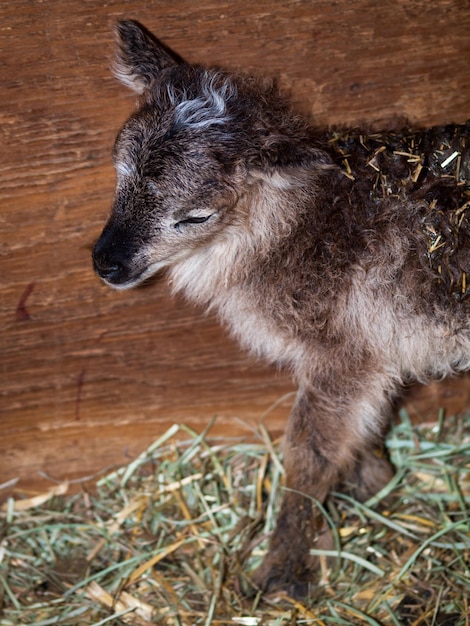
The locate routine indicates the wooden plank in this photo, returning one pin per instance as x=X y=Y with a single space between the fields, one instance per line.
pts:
x=91 y=376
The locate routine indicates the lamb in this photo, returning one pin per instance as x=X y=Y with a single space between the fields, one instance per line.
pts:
x=339 y=255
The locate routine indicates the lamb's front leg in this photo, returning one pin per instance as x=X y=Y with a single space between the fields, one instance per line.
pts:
x=321 y=442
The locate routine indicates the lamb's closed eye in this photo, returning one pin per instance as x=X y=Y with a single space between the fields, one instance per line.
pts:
x=195 y=219
x=192 y=220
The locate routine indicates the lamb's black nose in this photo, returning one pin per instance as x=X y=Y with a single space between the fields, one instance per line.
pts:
x=109 y=273
x=111 y=257
x=107 y=268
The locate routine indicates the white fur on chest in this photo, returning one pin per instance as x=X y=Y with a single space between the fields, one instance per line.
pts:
x=213 y=278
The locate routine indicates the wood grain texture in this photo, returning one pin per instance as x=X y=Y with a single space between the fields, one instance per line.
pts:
x=91 y=376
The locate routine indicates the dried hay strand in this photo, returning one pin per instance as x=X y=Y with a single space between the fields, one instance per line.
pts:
x=173 y=537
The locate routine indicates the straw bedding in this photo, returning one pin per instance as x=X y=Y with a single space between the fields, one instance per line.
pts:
x=173 y=537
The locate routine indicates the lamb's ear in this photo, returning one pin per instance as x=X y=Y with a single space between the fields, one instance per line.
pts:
x=139 y=56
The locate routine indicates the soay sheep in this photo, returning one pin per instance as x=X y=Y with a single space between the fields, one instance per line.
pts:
x=339 y=255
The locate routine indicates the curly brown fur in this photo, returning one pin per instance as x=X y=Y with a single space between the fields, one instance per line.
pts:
x=339 y=255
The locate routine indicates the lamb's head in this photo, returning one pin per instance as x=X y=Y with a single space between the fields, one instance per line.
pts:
x=176 y=170
x=185 y=159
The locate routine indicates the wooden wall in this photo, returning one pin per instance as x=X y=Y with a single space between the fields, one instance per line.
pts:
x=89 y=376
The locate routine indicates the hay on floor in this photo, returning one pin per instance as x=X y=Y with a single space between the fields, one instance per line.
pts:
x=173 y=537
